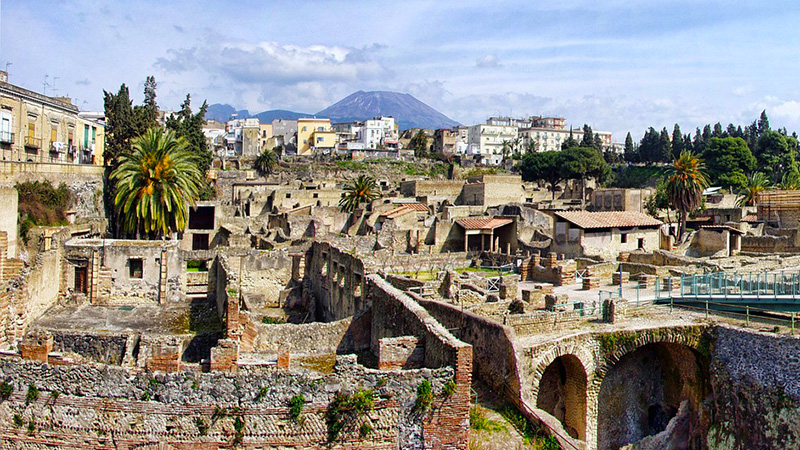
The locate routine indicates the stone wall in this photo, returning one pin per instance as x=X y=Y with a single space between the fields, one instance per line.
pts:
x=494 y=359
x=394 y=315
x=111 y=407
x=336 y=280
x=8 y=222
x=83 y=180
x=347 y=335
x=756 y=391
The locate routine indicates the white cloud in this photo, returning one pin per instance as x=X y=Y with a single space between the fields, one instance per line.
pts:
x=488 y=62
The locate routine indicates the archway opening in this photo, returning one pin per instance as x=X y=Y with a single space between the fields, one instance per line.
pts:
x=562 y=393
x=646 y=390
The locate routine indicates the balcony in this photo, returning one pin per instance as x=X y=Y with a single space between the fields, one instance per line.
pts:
x=33 y=142
x=6 y=137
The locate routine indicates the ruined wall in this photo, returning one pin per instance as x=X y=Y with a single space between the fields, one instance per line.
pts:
x=494 y=360
x=756 y=391
x=394 y=315
x=8 y=222
x=264 y=275
x=336 y=280
x=342 y=336
x=111 y=407
x=83 y=180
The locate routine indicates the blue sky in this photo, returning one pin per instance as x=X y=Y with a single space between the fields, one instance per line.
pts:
x=618 y=65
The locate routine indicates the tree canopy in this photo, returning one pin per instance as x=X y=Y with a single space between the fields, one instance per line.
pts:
x=728 y=161
x=155 y=182
x=542 y=166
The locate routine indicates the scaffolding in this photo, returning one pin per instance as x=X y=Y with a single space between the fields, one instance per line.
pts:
x=771 y=205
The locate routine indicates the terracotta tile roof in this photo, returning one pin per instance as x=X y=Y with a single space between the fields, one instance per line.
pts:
x=750 y=218
x=405 y=209
x=608 y=219
x=483 y=223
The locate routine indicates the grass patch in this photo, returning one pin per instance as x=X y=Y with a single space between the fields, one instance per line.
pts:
x=267 y=320
x=321 y=363
x=531 y=435
x=449 y=388
x=610 y=342
x=479 y=422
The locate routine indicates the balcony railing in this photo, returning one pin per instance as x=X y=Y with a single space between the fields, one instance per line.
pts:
x=33 y=142
x=6 y=137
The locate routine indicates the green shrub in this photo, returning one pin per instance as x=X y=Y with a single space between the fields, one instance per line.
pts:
x=424 y=396
x=32 y=395
x=18 y=420
x=449 y=388
x=347 y=407
x=31 y=427
x=262 y=392
x=365 y=430
x=6 y=390
x=296 y=406
x=202 y=427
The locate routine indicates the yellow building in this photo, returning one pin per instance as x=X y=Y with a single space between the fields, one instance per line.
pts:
x=38 y=128
x=315 y=136
x=264 y=136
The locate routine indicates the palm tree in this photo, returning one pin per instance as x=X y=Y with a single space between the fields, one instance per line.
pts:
x=155 y=182
x=790 y=181
x=266 y=161
x=357 y=191
x=755 y=184
x=686 y=180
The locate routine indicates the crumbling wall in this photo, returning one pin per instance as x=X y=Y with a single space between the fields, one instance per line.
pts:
x=755 y=389
x=336 y=281
x=394 y=314
x=104 y=406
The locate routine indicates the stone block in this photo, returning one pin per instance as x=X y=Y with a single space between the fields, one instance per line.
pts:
x=620 y=277
x=553 y=300
x=590 y=283
x=283 y=359
x=36 y=345
x=225 y=356
x=614 y=310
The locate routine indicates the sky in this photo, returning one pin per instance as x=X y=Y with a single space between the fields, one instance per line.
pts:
x=619 y=66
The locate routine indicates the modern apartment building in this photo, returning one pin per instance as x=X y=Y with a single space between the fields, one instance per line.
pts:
x=485 y=142
x=315 y=136
x=38 y=128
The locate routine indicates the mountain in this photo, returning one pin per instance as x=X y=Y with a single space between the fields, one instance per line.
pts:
x=269 y=116
x=223 y=112
x=407 y=111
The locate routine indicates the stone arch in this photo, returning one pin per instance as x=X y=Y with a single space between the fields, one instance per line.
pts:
x=644 y=380
x=563 y=394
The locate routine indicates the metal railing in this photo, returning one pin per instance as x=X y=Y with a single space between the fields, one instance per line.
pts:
x=33 y=142
x=6 y=137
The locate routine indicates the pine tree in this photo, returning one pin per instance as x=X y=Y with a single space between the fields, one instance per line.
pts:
x=664 y=146
x=763 y=123
x=630 y=153
x=189 y=125
x=677 y=142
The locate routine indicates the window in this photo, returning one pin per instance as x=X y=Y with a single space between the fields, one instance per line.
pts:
x=135 y=268
x=288 y=195
x=623 y=238
x=201 y=218
x=53 y=134
x=31 y=130
x=200 y=241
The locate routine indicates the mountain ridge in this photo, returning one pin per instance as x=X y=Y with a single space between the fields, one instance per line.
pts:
x=408 y=111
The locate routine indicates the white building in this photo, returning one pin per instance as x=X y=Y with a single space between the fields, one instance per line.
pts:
x=485 y=142
x=547 y=139
x=371 y=134
x=242 y=137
